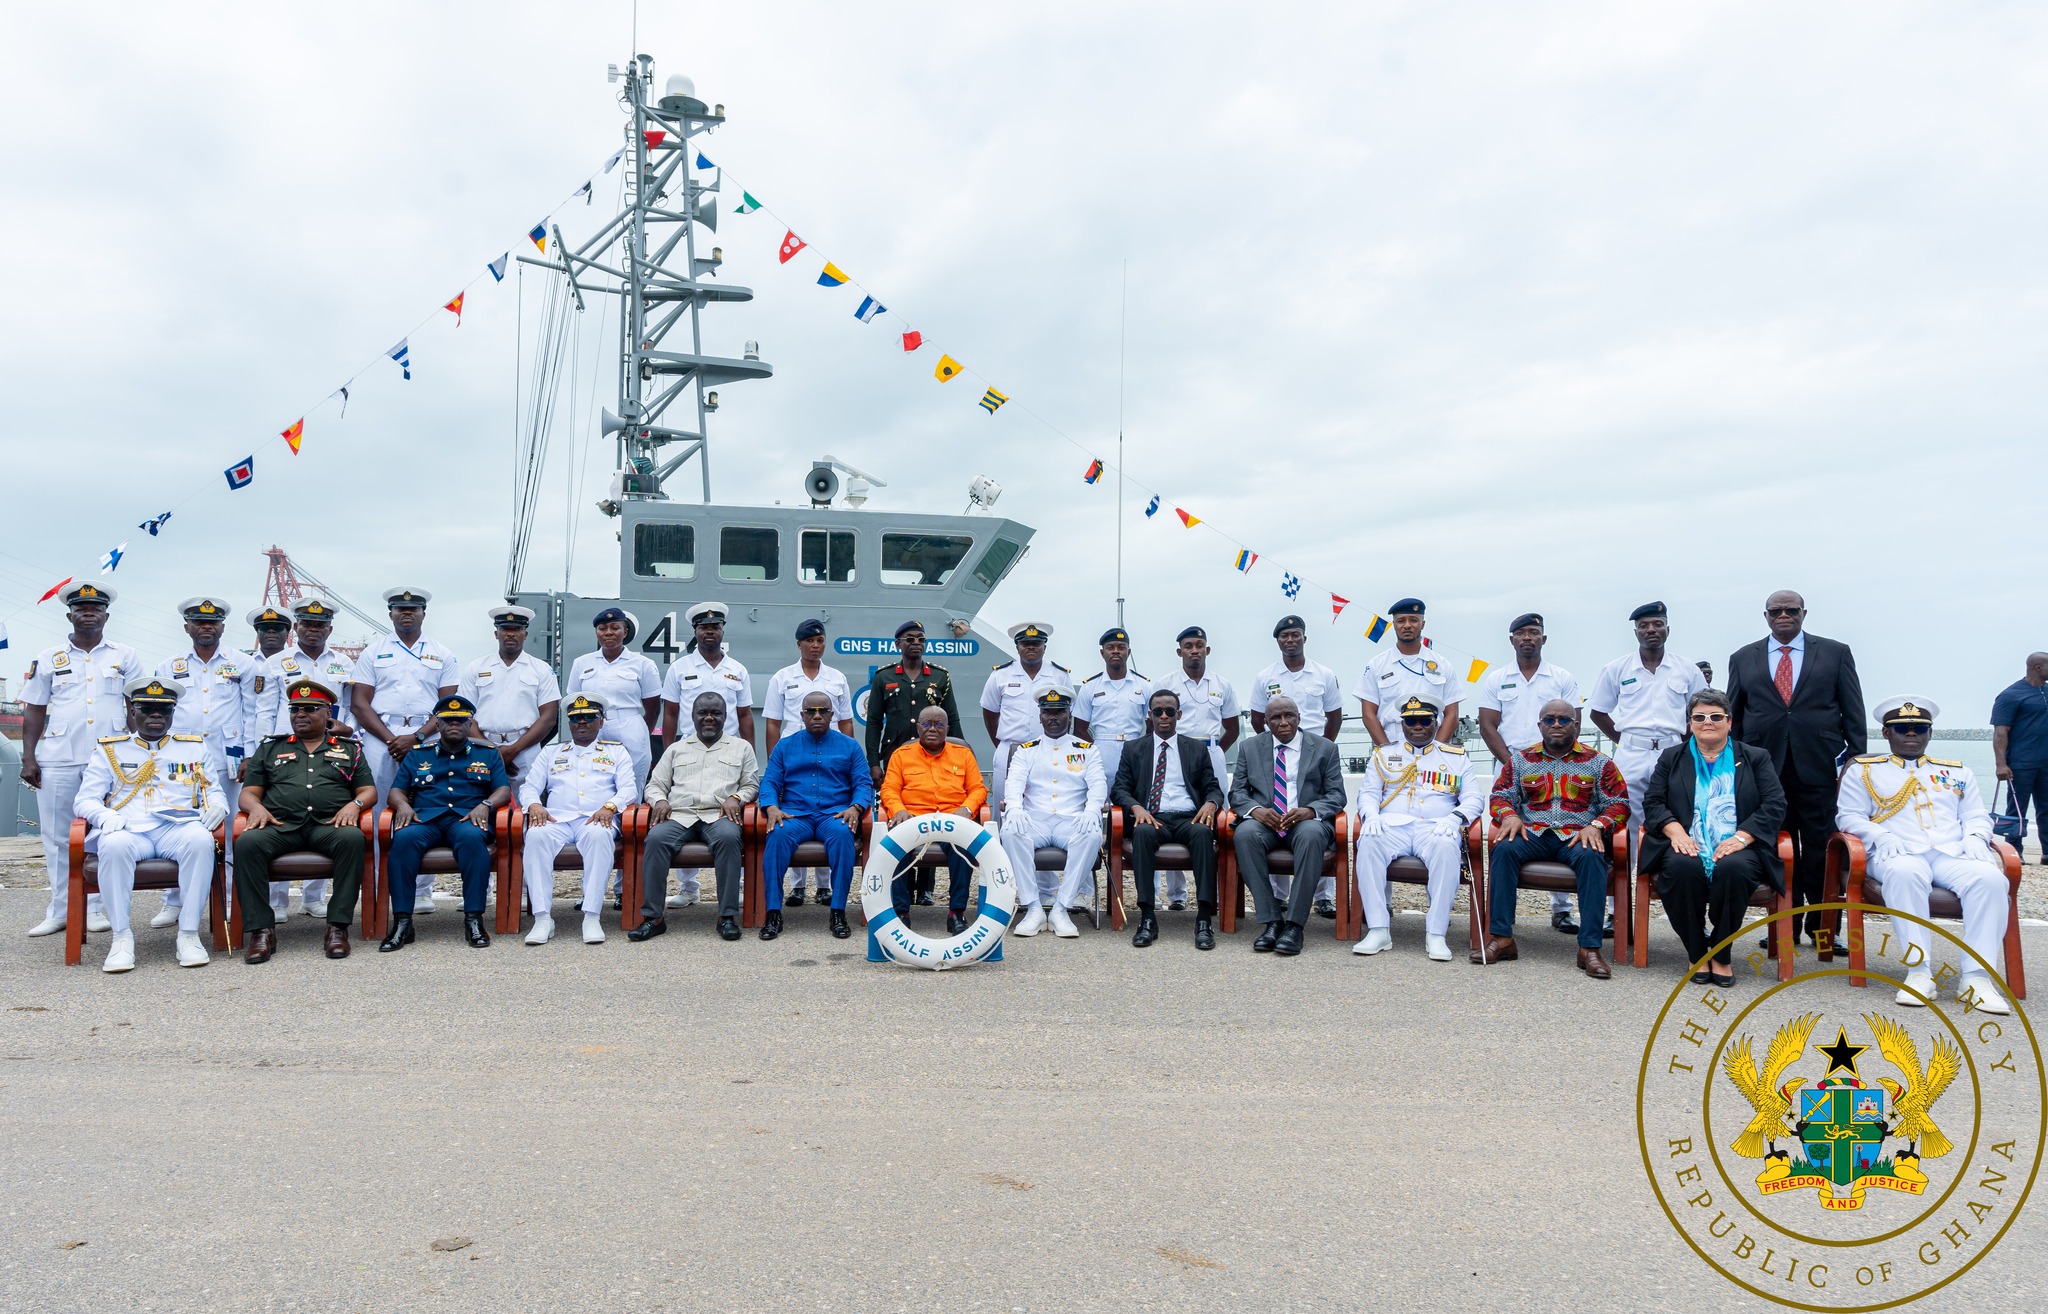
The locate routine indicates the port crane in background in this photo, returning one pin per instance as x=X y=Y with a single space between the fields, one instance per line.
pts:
x=288 y=581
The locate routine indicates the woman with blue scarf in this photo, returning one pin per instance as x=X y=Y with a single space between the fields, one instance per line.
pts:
x=1710 y=833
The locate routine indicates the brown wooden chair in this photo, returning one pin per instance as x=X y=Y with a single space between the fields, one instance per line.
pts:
x=634 y=825
x=1411 y=871
x=626 y=853
x=810 y=853
x=1559 y=878
x=1167 y=857
x=306 y=865
x=1848 y=876
x=1230 y=888
x=150 y=874
x=1763 y=896
x=438 y=861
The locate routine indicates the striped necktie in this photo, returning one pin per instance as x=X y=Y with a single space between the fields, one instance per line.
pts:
x=1158 y=778
x=1280 y=779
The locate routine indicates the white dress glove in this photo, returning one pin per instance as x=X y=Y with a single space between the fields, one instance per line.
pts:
x=112 y=822
x=214 y=814
x=1979 y=850
x=1370 y=826
x=1445 y=827
x=1887 y=846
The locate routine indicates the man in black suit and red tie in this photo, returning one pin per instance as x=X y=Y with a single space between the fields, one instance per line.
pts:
x=1796 y=696
x=1169 y=794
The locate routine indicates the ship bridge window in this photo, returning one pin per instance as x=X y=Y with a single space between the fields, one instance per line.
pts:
x=665 y=551
x=995 y=563
x=926 y=560
x=748 y=554
x=825 y=556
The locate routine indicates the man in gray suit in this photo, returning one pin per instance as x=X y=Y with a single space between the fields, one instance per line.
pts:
x=1287 y=788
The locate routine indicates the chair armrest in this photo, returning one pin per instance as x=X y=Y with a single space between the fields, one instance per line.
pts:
x=1341 y=827
x=1785 y=848
x=383 y=826
x=77 y=844
x=1617 y=854
x=2009 y=857
x=633 y=822
x=1226 y=825
x=1475 y=841
x=501 y=824
x=981 y=814
x=1116 y=827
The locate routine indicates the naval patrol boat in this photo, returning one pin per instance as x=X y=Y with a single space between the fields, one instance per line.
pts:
x=862 y=571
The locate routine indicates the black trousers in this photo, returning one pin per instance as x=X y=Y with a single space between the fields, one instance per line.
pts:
x=1692 y=900
x=254 y=851
x=1810 y=819
x=1175 y=828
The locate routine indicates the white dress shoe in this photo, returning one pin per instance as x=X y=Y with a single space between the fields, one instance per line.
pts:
x=681 y=900
x=164 y=917
x=1378 y=940
x=1033 y=923
x=421 y=907
x=593 y=929
x=1063 y=925
x=1987 y=1000
x=542 y=932
x=1918 y=992
x=191 y=951
x=48 y=926
x=97 y=923
x=1438 y=949
x=317 y=908
x=121 y=954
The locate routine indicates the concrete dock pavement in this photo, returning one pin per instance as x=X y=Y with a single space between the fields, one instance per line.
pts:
x=690 y=1124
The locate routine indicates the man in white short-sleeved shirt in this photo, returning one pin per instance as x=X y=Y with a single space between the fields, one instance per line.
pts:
x=394 y=687
x=1638 y=701
x=517 y=697
x=1407 y=670
x=1509 y=699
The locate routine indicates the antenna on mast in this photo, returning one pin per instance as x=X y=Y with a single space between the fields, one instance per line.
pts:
x=1122 y=315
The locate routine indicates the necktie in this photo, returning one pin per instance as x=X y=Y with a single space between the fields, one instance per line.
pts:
x=1280 y=779
x=1158 y=778
x=1783 y=678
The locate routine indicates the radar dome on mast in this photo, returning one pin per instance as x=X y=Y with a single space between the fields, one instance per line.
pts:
x=680 y=96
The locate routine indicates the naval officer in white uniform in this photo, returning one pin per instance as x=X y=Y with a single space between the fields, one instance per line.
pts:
x=1639 y=702
x=1415 y=800
x=625 y=681
x=1053 y=798
x=1407 y=670
x=1509 y=697
x=1923 y=823
x=1208 y=712
x=213 y=699
x=147 y=794
x=517 y=698
x=1009 y=698
x=393 y=688
x=1109 y=706
x=574 y=795
x=72 y=697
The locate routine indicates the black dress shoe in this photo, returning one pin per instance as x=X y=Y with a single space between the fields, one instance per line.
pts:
x=923 y=899
x=1325 y=908
x=728 y=928
x=840 y=930
x=1703 y=978
x=648 y=929
x=1177 y=905
x=1608 y=930
x=795 y=900
x=1562 y=923
x=772 y=927
x=1269 y=936
x=1148 y=929
x=399 y=936
x=1289 y=943
x=1205 y=934
x=956 y=922
x=473 y=931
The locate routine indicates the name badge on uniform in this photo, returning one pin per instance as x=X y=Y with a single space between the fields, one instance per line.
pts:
x=1630 y=680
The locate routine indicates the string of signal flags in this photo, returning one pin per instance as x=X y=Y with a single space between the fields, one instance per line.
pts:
x=947 y=368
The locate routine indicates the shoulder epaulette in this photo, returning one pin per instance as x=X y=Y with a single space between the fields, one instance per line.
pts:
x=114 y=739
x=1093 y=678
x=1057 y=667
x=1943 y=761
x=190 y=739
x=1459 y=749
x=1873 y=757
x=1029 y=743
x=1141 y=675
x=1011 y=662
x=1083 y=743
x=613 y=743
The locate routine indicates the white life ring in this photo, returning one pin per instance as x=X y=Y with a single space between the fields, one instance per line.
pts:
x=890 y=940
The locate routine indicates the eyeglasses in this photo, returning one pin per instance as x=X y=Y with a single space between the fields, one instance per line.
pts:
x=1784 y=611
x=1909 y=727
x=1418 y=721
x=817 y=711
x=1557 y=720
x=1709 y=718
x=1165 y=711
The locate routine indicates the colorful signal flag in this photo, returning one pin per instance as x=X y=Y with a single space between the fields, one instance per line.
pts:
x=791 y=244
x=869 y=308
x=948 y=367
x=1186 y=519
x=613 y=162
x=1337 y=606
x=1092 y=473
x=703 y=162
x=111 y=559
x=55 y=589
x=1290 y=583
x=655 y=137
x=1152 y=507
x=1477 y=669
x=538 y=235
x=1244 y=560
x=241 y=472
x=154 y=523
x=401 y=355
x=455 y=307
x=292 y=438
x=1377 y=630
x=747 y=204
x=497 y=267
x=913 y=340
x=992 y=401
x=831 y=276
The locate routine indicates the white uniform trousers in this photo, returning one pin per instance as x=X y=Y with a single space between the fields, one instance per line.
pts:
x=1636 y=765
x=220 y=768
x=188 y=842
x=1414 y=839
x=999 y=767
x=595 y=843
x=56 y=804
x=1080 y=835
x=1980 y=886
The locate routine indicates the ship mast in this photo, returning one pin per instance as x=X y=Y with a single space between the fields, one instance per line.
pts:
x=646 y=255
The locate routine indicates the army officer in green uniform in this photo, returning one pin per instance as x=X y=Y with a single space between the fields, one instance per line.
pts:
x=896 y=695
x=303 y=791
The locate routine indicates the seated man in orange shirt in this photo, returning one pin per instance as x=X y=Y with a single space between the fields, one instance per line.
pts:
x=927 y=775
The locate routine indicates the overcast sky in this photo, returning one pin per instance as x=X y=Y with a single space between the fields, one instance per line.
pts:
x=1560 y=307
